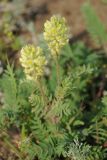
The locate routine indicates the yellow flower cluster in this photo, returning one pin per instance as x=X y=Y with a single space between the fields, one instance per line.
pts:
x=56 y=34
x=32 y=61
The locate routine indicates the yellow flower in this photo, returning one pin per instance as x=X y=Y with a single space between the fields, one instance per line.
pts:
x=56 y=34
x=33 y=61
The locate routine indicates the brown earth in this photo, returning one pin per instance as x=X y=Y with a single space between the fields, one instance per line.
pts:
x=70 y=9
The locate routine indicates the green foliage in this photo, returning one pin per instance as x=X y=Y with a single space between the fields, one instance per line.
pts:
x=94 y=25
x=46 y=129
x=9 y=85
x=51 y=125
x=49 y=118
x=78 y=151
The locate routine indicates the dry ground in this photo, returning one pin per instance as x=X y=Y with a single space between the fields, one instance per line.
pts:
x=71 y=9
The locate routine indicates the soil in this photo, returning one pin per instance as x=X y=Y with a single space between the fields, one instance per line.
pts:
x=70 y=9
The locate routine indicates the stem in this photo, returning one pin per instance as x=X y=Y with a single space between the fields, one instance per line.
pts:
x=72 y=119
x=97 y=135
x=57 y=70
x=42 y=91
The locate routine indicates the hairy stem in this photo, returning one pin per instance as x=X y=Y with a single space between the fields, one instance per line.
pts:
x=97 y=135
x=57 y=70
x=42 y=91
